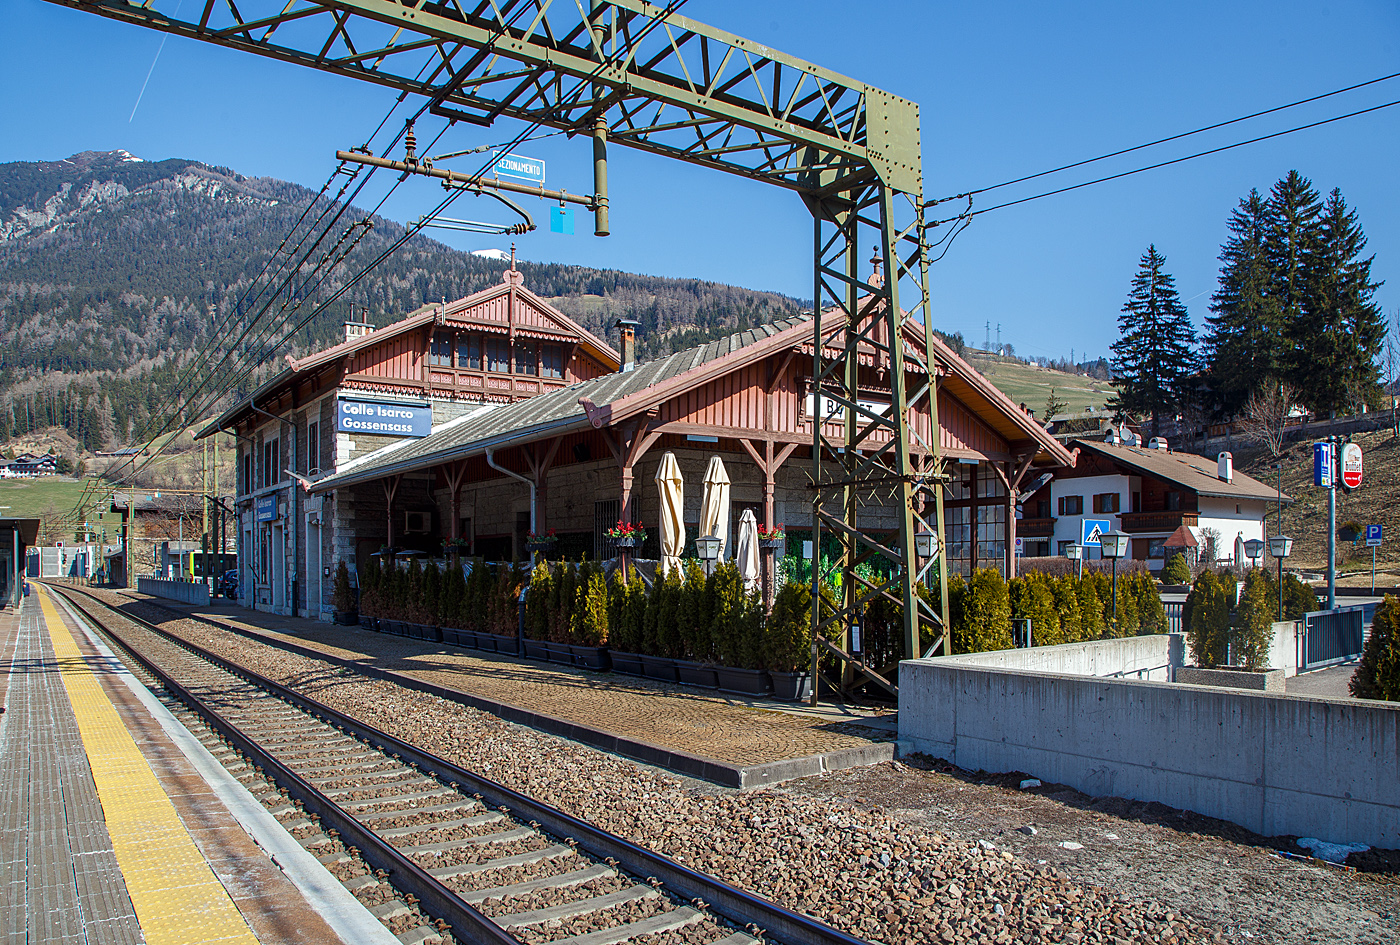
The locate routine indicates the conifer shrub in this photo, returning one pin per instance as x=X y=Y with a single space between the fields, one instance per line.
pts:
x=1066 y=591
x=1092 y=625
x=454 y=589
x=1377 y=675
x=370 y=577
x=638 y=607
x=590 y=617
x=1298 y=599
x=431 y=597
x=1176 y=570
x=727 y=617
x=1129 y=619
x=752 y=642
x=664 y=638
x=539 y=600
x=1254 y=621
x=620 y=633
x=957 y=607
x=1206 y=619
x=343 y=597
x=566 y=581
x=1152 y=616
x=1032 y=597
x=693 y=615
x=986 y=614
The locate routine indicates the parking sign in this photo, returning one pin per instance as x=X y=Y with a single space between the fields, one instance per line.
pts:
x=1373 y=536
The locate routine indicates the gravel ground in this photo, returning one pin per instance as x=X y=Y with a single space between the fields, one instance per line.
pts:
x=894 y=852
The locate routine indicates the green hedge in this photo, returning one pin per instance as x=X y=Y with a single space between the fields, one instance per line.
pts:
x=1377 y=676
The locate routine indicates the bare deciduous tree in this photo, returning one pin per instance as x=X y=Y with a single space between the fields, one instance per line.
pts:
x=1265 y=418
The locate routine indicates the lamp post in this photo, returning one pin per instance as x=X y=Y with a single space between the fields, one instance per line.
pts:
x=1114 y=545
x=1075 y=553
x=1253 y=549
x=925 y=543
x=1280 y=546
x=707 y=547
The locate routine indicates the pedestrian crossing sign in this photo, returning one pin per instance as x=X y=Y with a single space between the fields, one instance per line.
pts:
x=1093 y=529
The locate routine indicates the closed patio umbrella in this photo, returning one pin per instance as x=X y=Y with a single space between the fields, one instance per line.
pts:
x=714 y=506
x=746 y=550
x=671 y=487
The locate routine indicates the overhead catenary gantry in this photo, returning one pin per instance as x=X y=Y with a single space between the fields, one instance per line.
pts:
x=640 y=75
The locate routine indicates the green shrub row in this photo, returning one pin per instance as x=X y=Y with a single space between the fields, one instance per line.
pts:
x=1064 y=609
x=1212 y=618
x=484 y=601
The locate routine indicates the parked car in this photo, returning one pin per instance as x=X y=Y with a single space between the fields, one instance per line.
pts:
x=228 y=584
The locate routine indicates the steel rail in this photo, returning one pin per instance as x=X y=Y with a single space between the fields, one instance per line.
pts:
x=738 y=906
x=467 y=922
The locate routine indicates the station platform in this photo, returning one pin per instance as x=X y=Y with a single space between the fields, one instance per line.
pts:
x=113 y=829
x=730 y=740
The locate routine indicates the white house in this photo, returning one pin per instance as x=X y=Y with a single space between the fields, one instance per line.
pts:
x=1148 y=492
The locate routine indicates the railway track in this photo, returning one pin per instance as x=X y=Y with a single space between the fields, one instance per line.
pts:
x=486 y=863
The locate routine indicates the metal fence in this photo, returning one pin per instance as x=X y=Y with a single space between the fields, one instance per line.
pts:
x=1173 y=611
x=1331 y=636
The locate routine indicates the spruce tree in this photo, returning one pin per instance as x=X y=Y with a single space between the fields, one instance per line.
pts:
x=1340 y=331
x=1154 y=356
x=1244 y=339
x=1290 y=246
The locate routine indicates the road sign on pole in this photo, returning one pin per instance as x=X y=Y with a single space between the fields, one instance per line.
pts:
x=1322 y=465
x=1373 y=536
x=1351 y=465
x=1092 y=529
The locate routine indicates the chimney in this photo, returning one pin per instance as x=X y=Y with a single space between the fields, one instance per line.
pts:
x=1227 y=467
x=1158 y=443
x=627 y=342
x=354 y=329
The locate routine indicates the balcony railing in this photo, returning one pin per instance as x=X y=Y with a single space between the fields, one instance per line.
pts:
x=1035 y=527
x=1157 y=521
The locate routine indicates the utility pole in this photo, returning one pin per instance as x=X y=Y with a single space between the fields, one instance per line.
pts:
x=1332 y=523
x=219 y=547
x=204 y=502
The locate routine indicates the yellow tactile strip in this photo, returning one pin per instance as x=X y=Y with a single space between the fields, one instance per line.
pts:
x=177 y=897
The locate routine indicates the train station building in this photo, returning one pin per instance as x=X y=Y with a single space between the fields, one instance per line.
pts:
x=493 y=416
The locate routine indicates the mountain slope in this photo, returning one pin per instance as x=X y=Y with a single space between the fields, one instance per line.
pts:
x=113 y=270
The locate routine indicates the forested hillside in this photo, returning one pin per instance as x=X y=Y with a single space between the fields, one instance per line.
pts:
x=115 y=271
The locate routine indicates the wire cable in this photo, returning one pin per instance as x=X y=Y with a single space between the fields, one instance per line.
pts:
x=1176 y=137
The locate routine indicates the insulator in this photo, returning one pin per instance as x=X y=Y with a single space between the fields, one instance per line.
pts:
x=410 y=145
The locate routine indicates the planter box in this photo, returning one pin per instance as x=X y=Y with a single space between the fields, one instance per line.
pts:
x=791 y=687
x=1265 y=680
x=368 y=623
x=395 y=627
x=659 y=667
x=697 y=674
x=745 y=682
x=629 y=664
x=559 y=653
x=346 y=618
x=500 y=643
x=536 y=649
x=590 y=657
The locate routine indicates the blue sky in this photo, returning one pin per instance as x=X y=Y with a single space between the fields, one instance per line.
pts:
x=1006 y=89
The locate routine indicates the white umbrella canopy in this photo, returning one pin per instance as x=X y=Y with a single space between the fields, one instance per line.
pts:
x=714 y=507
x=671 y=487
x=746 y=550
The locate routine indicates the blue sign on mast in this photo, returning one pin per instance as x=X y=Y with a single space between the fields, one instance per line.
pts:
x=520 y=167
x=1324 y=467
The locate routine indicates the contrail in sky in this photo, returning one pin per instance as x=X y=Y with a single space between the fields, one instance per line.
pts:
x=163 y=38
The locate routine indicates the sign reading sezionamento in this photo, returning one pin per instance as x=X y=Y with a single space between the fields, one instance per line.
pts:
x=524 y=168
x=381 y=419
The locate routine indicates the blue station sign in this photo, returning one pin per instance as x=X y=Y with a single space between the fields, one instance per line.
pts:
x=521 y=167
x=267 y=507
x=381 y=419
x=1324 y=465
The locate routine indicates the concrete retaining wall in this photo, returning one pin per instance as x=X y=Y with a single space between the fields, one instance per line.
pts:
x=1275 y=764
x=187 y=592
x=1151 y=657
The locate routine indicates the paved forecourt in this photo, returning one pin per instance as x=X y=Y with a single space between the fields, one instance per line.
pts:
x=107 y=831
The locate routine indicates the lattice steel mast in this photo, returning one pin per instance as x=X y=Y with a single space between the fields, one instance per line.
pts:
x=636 y=74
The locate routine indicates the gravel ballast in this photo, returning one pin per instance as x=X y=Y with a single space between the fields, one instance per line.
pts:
x=934 y=859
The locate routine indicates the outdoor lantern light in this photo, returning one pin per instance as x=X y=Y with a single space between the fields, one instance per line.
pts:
x=1075 y=552
x=707 y=547
x=924 y=543
x=1114 y=545
x=1253 y=549
x=1280 y=546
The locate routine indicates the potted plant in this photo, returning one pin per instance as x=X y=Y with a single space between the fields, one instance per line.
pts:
x=543 y=543
x=737 y=627
x=627 y=609
x=696 y=667
x=344 y=598
x=627 y=534
x=590 y=623
x=788 y=642
x=771 y=537
x=660 y=637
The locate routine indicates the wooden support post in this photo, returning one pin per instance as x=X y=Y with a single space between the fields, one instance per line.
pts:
x=391 y=489
x=538 y=459
x=455 y=473
x=768 y=462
